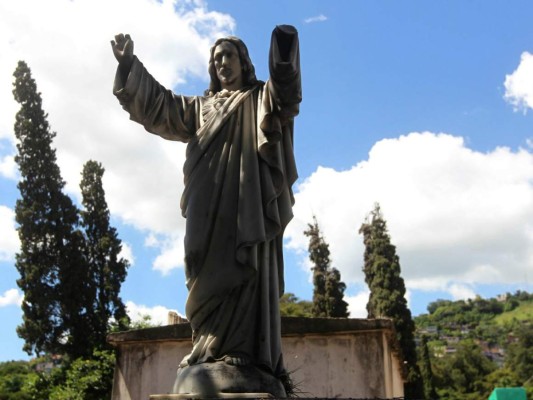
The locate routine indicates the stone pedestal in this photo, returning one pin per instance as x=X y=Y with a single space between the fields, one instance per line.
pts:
x=222 y=396
x=326 y=358
x=213 y=380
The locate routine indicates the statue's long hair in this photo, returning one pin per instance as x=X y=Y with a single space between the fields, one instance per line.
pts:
x=248 y=70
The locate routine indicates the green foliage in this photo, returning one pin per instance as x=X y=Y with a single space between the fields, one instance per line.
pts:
x=475 y=323
x=13 y=375
x=426 y=372
x=107 y=270
x=291 y=306
x=387 y=293
x=461 y=375
x=70 y=269
x=523 y=311
x=50 y=263
x=328 y=292
x=520 y=353
x=87 y=379
x=83 y=379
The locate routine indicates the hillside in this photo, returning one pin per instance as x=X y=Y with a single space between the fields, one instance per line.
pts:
x=478 y=344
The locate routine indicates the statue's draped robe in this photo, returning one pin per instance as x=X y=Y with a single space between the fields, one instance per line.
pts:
x=237 y=200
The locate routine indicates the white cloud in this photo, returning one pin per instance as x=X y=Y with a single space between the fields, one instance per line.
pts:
x=11 y=297
x=127 y=253
x=158 y=314
x=461 y=292
x=357 y=304
x=519 y=84
x=9 y=240
x=318 y=18
x=456 y=216
x=8 y=167
x=172 y=254
x=66 y=43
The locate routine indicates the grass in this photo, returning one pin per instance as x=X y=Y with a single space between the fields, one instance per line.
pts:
x=524 y=312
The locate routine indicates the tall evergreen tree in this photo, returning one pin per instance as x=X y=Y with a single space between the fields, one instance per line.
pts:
x=50 y=261
x=319 y=256
x=328 y=290
x=387 y=293
x=107 y=270
x=426 y=371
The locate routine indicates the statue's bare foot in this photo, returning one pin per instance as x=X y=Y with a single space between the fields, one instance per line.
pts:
x=237 y=360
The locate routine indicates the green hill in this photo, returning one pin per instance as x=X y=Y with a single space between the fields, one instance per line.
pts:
x=523 y=312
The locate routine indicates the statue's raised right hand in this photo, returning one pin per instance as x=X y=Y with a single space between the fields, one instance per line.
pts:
x=123 y=49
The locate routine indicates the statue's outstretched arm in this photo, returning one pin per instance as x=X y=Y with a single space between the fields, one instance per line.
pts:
x=123 y=51
x=284 y=65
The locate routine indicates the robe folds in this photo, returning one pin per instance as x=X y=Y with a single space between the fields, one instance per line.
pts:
x=237 y=200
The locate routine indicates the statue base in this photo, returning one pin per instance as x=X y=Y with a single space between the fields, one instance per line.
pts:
x=221 y=396
x=221 y=380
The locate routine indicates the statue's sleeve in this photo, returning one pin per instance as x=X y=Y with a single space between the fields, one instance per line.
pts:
x=285 y=84
x=160 y=111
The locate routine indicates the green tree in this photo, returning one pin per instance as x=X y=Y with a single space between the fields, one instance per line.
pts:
x=13 y=375
x=107 y=270
x=337 y=307
x=328 y=290
x=426 y=372
x=50 y=262
x=520 y=354
x=387 y=293
x=461 y=376
x=319 y=255
x=87 y=378
x=291 y=306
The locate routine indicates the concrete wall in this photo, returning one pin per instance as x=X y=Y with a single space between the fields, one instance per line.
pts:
x=326 y=358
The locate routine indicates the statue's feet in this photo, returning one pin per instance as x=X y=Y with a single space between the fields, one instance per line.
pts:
x=237 y=360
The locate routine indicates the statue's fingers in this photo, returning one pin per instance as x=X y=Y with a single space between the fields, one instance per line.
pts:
x=119 y=38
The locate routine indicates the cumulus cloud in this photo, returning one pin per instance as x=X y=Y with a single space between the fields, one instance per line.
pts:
x=461 y=292
x=171 y=256
x=127 y=253
x=519 y=84
x=318 y=18
x=158 y=314
x=11 y=297
x=71 y=60
x=9 y=240
x=357 y=304
x=456 y=216
x=8 y=167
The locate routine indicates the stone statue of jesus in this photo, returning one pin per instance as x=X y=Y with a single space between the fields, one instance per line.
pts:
x=237 y=199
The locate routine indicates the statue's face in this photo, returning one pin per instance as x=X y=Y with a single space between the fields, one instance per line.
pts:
x=228 y=66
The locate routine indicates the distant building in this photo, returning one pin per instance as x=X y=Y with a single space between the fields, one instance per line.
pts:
x=174 y=318
x=47 y=365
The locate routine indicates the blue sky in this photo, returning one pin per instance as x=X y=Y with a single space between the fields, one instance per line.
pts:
x=424 y=107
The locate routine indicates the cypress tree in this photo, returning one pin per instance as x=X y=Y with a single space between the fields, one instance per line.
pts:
x=337 y=307
x=328 y=290
x=107 y=270
x=319 y=256
x=387 y=293
x=50 y=263
x=426 y=372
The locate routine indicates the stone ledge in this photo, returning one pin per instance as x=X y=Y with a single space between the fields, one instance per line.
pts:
x=290 y=326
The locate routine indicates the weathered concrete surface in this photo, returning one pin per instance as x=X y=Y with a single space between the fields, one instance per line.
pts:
x=348 y=358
